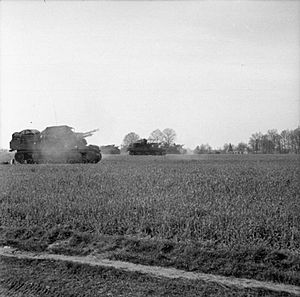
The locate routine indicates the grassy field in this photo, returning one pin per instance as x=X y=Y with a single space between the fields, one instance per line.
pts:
x=229 y=214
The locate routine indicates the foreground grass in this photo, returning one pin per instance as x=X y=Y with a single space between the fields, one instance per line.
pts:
x=231 y=214
x=54 y=278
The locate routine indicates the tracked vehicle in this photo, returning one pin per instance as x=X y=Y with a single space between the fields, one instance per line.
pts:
x=110 y=149
x=143 y=147
x=57 y=144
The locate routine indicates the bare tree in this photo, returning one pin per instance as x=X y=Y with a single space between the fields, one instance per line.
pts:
x=285 y=140
x=295 y=140
x=169 y=136
x=156 y=136
x=255 y=142
x=275 y=138
x=129 y=139
x=225 y=148
x=242 y=147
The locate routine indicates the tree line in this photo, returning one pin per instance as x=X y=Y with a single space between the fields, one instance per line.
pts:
x=272 y=142
x=288 y=141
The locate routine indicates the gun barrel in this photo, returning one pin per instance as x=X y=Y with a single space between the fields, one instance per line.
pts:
x=93 y=131
x=87 y=134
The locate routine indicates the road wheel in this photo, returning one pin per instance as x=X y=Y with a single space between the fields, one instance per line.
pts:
x=19 y=157
x=84 y=158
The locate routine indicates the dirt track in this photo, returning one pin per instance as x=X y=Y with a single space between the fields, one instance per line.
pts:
x=98 y=260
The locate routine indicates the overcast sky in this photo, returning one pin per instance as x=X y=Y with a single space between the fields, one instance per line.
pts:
x=214 y=71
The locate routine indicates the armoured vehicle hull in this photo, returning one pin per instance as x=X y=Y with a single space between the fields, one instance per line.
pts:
x=58 y=144
x=142 y=147
x=110 y=150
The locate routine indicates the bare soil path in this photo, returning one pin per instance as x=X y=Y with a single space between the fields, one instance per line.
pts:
x=172 y=273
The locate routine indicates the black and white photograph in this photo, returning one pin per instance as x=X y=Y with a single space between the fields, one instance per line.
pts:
x=149 y=148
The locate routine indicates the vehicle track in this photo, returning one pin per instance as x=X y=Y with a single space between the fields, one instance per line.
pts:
x=99 y=260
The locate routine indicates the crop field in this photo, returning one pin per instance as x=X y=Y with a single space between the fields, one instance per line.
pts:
x=217 y=203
